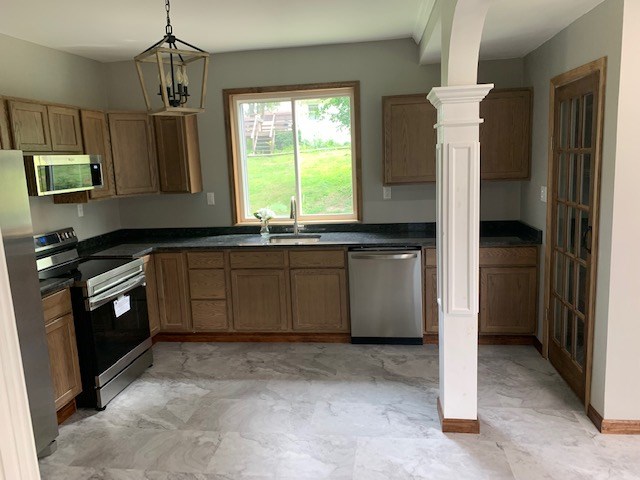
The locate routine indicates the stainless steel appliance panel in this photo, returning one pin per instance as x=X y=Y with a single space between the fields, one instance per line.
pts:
x=51 y=174
x=17 y=236
x=386 y=296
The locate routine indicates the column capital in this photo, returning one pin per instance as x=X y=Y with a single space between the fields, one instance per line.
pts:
x=458 y=94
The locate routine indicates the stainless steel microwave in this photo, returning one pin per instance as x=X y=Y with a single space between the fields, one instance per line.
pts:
x=51 y=174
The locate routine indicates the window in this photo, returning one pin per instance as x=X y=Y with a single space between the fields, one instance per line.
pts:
x=300 y=141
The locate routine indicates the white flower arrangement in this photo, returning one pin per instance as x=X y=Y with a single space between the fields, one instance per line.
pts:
x=264 y=215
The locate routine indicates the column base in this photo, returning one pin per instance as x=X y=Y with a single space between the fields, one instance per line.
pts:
x=457 y=425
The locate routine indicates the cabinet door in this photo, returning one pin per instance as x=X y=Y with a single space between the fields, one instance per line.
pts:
x=152 y=295
x=134 y=153
x=319 y=300
x=505 y=134
x=208 y=284
x=30 y=127
x=63 y=358
x=260 y=301
x=508 y=300
x=64 y=124
x=431 y=300
x=209 y=315
x=5 y=137
x=178 y=154
x=173 y=292
x=409 y=139
x=97 y=142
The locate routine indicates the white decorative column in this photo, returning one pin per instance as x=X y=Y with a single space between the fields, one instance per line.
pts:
x=458 y=244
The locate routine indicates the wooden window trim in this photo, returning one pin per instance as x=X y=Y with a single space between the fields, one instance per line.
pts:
x=234 y=174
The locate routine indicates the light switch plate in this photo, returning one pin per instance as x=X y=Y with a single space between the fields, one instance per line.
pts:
x=386 y=193
x=80 y=210
x=543 y=194
x=211 y=198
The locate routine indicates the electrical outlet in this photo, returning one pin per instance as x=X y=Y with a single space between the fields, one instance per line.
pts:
x=386 y=193
x=80 y=210
x=211 y=198
x=543 y=194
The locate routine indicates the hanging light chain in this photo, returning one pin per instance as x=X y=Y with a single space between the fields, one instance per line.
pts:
x=168 y=28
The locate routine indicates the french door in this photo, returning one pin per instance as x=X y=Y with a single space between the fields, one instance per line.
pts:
x=573 y=212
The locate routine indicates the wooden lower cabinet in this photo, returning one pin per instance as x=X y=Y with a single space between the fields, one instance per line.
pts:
x=431 y=300
x=260 y=300
x=508 y=298
x=63 y=350
x=209 y=315
x=319 y=300
x=508 y=291
x=173 y=292
x=152 y=295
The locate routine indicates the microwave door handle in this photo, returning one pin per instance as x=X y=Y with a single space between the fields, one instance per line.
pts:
x=108 y=296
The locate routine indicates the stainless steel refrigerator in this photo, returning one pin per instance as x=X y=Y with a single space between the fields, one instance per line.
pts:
x=17 y=236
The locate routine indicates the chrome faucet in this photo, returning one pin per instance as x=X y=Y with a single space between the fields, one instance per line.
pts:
x=294 y=216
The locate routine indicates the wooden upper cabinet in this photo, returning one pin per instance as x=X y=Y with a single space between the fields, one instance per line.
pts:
x=5 y=136
x=64 y=125
x=134 y=154
x=178 y=154
x=409 y=139
x=173 y=292
x=505 y=134
x=95 y=133
x=30 y=126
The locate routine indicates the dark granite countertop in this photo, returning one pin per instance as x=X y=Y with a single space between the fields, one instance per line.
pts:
x=137 y=243
x=53 y=285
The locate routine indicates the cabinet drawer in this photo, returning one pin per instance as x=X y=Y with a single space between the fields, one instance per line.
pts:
x=205 y=259
x=56 y=305
x=271 y=259
x=509 y=257
x=316 y=259
x=430 y=257
x=207 y=284
x=209 y=316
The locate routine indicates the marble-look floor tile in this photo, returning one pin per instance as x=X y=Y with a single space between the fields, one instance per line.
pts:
x=334 y=411
x=370 y=419
x=302 y=457
x=134 y=448
x=531 y=426
x=433 y=459
x=553 y=462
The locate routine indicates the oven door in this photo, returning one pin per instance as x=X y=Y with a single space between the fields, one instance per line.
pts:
x=120 y=327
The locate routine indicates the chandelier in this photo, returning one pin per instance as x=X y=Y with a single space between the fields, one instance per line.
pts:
x=174 y=86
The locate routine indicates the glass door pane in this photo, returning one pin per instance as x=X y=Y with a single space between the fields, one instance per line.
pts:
x=325 y=155
x=268 y=156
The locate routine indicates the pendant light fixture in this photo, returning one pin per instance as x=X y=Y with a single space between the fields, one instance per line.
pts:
x=174 y=85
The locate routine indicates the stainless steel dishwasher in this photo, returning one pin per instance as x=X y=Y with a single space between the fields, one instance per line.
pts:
x=385 y=286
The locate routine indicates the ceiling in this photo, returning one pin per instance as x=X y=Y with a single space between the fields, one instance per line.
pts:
x=119 y=29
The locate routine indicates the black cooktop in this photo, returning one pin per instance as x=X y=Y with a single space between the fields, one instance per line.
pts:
x=90 y=268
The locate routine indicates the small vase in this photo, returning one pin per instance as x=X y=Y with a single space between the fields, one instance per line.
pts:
x=264 y=229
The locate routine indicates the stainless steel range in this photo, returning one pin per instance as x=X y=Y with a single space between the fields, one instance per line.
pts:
x=110 y=315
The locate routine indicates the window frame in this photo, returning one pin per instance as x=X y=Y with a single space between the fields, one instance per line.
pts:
x=231 y=97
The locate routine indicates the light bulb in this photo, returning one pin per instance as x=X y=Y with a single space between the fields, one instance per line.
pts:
x=185 y=78
x=179 y=78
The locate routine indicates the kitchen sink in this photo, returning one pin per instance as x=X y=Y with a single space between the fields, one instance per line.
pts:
x=294 y=239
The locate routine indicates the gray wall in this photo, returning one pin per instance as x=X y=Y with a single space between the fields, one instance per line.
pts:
x=40 y=73
x=383 y=68
x=596 y=34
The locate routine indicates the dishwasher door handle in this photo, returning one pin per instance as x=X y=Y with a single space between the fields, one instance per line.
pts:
x=375 y=256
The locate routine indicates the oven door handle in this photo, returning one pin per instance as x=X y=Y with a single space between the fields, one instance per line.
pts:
x=110 y=295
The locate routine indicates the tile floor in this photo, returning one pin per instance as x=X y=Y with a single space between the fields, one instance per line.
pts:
x=327 y=411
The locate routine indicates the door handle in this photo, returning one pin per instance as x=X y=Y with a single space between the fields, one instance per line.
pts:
x=374 y=256
x=583 y=240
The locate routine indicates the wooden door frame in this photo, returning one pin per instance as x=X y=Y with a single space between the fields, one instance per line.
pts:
x=598 y=66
